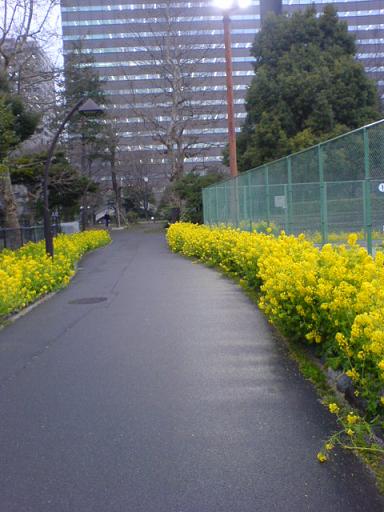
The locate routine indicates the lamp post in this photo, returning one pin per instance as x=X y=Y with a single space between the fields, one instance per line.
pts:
x=146 y=179
x=227 y=6
x=84 y=106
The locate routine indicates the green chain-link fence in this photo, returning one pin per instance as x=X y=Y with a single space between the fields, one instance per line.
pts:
x=333 y=188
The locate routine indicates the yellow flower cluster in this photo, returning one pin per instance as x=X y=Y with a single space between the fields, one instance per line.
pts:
x=321 y=457
x=333 y=408
x=331 y=296
x=29 y=273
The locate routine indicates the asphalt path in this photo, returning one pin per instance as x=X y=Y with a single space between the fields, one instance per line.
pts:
x=171 y=395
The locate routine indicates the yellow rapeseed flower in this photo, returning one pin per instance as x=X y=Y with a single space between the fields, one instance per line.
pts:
x=333 y=408
x=352 y=418
x=321 y=457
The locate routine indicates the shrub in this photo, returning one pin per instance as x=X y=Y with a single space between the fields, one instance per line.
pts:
x=29 y=273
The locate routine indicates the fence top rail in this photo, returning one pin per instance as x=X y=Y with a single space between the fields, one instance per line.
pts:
x=26 y=227
x=284 y=158
x=317 y=183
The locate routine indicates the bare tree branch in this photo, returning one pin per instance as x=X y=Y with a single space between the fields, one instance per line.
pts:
x=175 y=121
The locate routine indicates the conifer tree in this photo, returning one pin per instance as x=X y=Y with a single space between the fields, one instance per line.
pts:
x=308 y=87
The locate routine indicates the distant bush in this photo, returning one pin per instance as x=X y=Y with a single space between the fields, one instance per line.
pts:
x=132 y=217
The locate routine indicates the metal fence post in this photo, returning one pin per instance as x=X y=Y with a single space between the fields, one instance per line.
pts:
x=217 y=204
x=236 y=197
x=250 y=208
x=210 y=207
x=290 y=194
x=267 y=193
x=323 y=197
x=286 y=214
x=367 y=193
x=204 y=192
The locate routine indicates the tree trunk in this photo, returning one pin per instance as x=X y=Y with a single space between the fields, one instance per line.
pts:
x=116 y=190
x=10 y=209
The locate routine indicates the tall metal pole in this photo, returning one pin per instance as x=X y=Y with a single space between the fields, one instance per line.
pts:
x=229 y=82
x=323 y=197
x=47 y=214
x=83 y=105
x=367 y=193
x=146 y=197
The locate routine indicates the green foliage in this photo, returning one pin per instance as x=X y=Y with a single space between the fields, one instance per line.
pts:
x=16 y=123
x=308 y=87
x=66 y=185
x=135 y=197
x=132 y=217
x=189 y=190
x=25 y=121
x=8 y=136
x=83 y=81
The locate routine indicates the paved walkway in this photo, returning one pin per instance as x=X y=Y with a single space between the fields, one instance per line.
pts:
x=170 y=396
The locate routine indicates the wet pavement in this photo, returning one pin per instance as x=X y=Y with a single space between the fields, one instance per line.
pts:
x=152 y=384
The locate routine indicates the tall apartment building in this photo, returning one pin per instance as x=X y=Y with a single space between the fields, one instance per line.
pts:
x=121 y=37
x=125 y=38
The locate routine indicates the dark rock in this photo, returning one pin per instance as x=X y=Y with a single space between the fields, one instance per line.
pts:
x=379 y=434
x=344 y=384
x=356 y=401
x=333 y=375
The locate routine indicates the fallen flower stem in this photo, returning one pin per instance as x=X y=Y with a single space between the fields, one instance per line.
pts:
x=363 y=448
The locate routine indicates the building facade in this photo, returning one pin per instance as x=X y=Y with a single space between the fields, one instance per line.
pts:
x=128 y=42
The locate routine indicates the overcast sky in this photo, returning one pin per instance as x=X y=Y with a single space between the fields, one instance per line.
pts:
x=56 y=49
x=52 y=28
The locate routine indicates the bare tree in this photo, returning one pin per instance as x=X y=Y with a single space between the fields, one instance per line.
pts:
x=175 y=121
x=25 y=37
x=21 y=22
x=23 y=27
x=137 y=180
x=109 y=149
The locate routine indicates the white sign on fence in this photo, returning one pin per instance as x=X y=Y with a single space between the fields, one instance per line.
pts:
x=381 y=187
x=280 y=202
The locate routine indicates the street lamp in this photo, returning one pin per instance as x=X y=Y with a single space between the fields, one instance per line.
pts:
x=86 y=107
x=227 y=6
x=146 y=179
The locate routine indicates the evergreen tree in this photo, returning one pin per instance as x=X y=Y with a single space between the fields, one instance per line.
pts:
x=307 y=88
x=184 y=197
x=16 y=125
x=66 y=185
x=83 y=81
